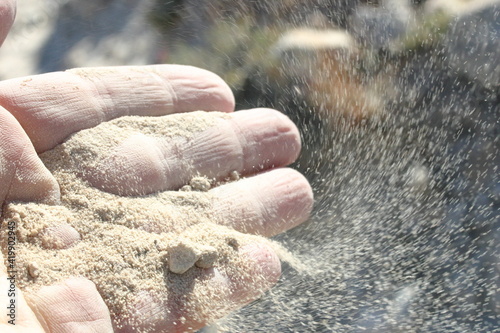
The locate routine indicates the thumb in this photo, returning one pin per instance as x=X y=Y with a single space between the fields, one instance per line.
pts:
x=23 y=176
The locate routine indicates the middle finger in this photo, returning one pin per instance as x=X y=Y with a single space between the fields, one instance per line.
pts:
x=245 y=142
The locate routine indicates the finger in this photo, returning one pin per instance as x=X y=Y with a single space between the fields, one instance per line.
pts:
x=246 y=142
x=23 y=176
x=7 y=15
x=216 y=293
x=239 y=287
x=263 y=271
x=266 y=204
x=72 y=306
x=52 y=106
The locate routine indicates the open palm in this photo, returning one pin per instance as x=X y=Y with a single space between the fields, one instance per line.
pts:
x=37 y=113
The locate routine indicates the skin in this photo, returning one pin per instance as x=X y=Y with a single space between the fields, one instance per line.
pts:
x=39 y=112
x=7 y=13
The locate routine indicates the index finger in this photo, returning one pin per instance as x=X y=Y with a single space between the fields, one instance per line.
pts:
x=52 y=106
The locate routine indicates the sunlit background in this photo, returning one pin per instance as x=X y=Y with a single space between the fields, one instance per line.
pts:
x=397 y=102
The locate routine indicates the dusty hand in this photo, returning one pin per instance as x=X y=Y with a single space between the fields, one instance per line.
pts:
x=40 y=112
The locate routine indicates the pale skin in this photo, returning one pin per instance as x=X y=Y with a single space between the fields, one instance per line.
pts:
x=39 y=112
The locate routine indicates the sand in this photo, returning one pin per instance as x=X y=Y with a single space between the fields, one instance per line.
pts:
x=162 y=243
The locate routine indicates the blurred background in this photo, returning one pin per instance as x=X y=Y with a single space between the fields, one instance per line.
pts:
x=397 y=102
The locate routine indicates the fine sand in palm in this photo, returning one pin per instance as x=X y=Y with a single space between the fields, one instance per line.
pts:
x=162 y=243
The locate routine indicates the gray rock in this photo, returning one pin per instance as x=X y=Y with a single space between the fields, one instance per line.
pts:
x=378 y=27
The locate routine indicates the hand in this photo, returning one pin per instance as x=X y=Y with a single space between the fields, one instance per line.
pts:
x=39 y=112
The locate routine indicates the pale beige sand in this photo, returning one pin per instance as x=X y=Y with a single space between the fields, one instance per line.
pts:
x=128 y=244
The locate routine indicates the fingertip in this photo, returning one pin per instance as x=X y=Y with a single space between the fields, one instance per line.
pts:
x=297 y=186
x=259 y=270
x=282 y=120
x=266 y=265
x=147 y=312
x=266 y=204
x=206 y=294
x=286 y=136
x=198 y=89
x=291 y=198
x=228 y=288
x=221 y=96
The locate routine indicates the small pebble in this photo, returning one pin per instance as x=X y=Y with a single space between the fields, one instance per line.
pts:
x=419 y=179
x=182 y=257
x=232 y=242
x=234 y=175
x=33 y=270
x=207 y=257
x=201 y=184
x=186 y=188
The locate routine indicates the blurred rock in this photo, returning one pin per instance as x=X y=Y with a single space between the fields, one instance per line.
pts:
x=192 y=29
x=195 y=18
x=59 y=34
x=322 y=63
x=379 y=26
x=316 y=68
x=457 y=7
